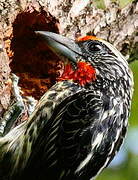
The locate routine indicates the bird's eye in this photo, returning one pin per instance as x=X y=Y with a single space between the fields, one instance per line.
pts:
x=94 y=47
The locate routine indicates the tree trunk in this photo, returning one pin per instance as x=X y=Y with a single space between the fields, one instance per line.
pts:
x=22 y=53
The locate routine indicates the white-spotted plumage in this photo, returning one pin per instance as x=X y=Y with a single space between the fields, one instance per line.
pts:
x=76 y=129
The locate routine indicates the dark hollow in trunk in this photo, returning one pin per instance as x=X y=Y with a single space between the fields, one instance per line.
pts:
x=32 y=60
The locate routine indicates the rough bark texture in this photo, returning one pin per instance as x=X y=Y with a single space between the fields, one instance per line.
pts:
x=78 y=17
x=69 y=17
x=5 y=83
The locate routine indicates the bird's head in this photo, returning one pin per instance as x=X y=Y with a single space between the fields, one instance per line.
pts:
x=86 y=58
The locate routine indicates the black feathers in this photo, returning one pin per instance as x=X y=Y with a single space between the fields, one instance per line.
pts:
x=75 y=131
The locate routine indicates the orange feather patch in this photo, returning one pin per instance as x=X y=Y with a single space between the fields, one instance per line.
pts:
x=85 y=38
x=84 y=73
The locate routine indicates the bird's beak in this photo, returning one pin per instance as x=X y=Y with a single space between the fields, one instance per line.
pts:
x=61 y=45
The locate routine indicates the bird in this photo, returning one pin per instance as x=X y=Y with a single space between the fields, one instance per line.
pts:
x=80 y=123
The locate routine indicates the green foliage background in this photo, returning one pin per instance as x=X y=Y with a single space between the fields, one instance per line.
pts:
x=101 y=4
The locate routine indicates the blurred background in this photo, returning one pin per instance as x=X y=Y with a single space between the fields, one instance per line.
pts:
x=125 y=165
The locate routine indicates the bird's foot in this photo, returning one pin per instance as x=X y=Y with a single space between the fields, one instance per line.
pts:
x=19 y=107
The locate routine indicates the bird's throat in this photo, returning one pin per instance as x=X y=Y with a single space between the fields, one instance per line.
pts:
x=83 y=74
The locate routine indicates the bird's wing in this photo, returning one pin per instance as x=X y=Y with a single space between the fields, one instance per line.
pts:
x=80 y=137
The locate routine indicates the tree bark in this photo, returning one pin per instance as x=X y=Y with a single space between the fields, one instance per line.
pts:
x=72 y=18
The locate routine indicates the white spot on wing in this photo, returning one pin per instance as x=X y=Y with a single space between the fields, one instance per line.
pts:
x=84 y=162
x=105 y=115
x=97 y=140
